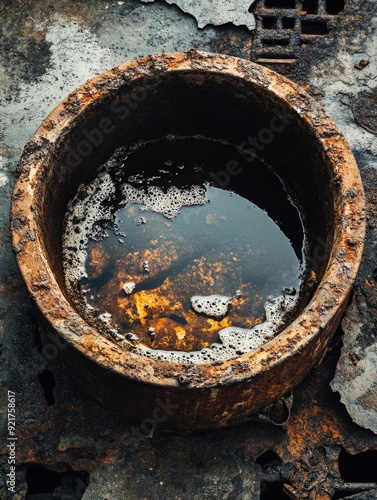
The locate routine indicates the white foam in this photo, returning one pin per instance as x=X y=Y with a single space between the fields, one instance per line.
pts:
x=168 y=202
x=244 y=340
x=234 y=340
x=84 y=212
x=129 y=287
x=105 y=317
x=215 y=306
x=90 y=206
x=132 y=337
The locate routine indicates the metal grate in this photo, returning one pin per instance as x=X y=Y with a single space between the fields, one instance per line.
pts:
x=286 y=26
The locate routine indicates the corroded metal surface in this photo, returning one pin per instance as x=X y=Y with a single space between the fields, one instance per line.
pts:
x=207 y=396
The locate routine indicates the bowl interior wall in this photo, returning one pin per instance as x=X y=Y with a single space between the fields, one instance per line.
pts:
x=189 y=103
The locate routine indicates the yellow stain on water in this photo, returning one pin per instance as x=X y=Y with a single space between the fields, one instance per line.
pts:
x=215 y=325
x=151 y=300
x=180 y=332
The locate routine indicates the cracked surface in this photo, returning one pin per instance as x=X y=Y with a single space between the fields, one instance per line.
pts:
x=217 y=12
x=355 y=378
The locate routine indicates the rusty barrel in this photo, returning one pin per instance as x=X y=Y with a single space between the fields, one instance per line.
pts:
x=211 y=95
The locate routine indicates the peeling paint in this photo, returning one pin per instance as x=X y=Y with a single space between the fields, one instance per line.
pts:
x=356 y=372
x=217 y=12
x=3 y=177
x=344 y=82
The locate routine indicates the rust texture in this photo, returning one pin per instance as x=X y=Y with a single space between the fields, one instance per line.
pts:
x=207 y=396
x=285 y=30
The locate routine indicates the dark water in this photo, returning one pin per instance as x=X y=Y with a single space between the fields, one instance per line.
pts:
x=245 y=241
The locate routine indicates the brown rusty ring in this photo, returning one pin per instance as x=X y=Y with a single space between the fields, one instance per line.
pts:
x=219 y=394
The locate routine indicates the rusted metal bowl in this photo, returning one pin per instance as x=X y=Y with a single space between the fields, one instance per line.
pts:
x=216 y=96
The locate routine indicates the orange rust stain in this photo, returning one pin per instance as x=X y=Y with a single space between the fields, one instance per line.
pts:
x=311 y=428
x=214 y=325
x=98 y=260
x=177 y=61
x=90 y=342
x=90 y=96
x=151 y=300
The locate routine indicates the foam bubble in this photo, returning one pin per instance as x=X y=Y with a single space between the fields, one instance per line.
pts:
x=215 y=306
x=234 y=340
x=84 y=213
x=167 y=202
x=129 y=287
x=105 y=317
x=132 y=337
x=244 y=340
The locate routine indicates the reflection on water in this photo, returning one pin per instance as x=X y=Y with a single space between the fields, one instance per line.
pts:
x=153 y=231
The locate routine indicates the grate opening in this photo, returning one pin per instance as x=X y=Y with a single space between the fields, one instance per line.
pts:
x=268 y=459
x=300 y=22
x=282 y=4
x=277 y=55
x=42 y=481
x=273 y=490
x=277 y=59
x=360 y=468
x=269 y=22
x=276 y=41
x=314 y=27
x=310 y=6
x=288 y=23
x=334 y=7
x=47 y=381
